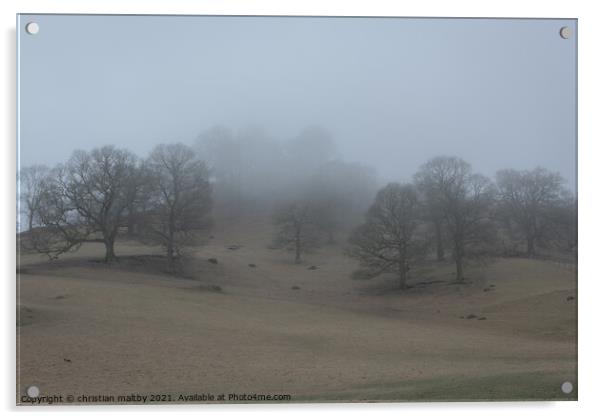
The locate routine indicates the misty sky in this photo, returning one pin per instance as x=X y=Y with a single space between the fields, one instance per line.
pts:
x=394 y=92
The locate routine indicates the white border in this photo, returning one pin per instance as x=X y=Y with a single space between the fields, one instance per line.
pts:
x=590 y=110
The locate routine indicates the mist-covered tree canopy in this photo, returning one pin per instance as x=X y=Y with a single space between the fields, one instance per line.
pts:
x=310 y=195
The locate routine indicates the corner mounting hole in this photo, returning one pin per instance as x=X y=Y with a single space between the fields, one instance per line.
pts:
x=33 y=391
x=565 y=32
x=32 y=28
x=567 y=387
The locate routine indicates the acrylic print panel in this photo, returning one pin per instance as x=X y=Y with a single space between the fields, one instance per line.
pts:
x=296 y=209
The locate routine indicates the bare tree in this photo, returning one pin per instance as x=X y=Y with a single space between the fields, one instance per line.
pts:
x=137 y=203
x=297 y=228
x=58 y=228
x=341 y=193
x=430 y=180
x=43 y=206
x=563 y=219
x=31 y=182
x=469 y=221
x=179 y=197
x=86 y=199
x=530 y=200
x=388 y=241
x=465 y=200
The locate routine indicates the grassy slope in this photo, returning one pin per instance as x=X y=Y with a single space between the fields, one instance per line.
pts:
x=123 y=329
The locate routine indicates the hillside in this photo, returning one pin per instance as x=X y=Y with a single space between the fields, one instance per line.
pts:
x=280 y=328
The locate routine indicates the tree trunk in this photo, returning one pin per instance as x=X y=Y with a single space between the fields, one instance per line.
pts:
x=171 y=244
x=110 y=249
x=170 y=255
x=297 y=251
x=439 y=240
x=459 y=269
x=171 y=240
x=131 y=225
x=530 y=246
x=30 y=220
x=403 y=274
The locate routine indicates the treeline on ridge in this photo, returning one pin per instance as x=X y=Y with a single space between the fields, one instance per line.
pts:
x=171 y=197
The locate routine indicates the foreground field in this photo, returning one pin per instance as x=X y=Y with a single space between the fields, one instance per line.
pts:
x=279 y=328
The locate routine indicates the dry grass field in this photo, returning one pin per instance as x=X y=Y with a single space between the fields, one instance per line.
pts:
x=280 y=328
